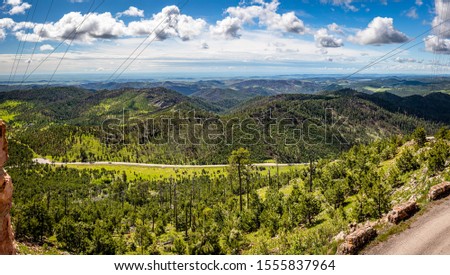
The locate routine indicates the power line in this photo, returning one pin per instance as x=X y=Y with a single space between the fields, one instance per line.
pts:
x=65 y=39
x=25 y=41
x=18 y=49
x=70 y=44
x=394 y=54
x=142 y=43
x=37 y=41
x=376 y=61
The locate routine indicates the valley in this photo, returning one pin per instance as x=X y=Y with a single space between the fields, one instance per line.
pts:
x=228 y=170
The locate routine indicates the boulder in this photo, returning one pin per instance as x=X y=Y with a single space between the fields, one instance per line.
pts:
x=439 y=191
x=355 y=241
x=339 y=237
x=6 y=191
x=402 y=212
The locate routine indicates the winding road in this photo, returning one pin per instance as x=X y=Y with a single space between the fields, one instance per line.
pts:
x=429 y=234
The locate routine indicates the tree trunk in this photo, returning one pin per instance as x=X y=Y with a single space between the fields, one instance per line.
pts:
x=278 y=175
x=248 y=192
x=240 y=187
x=175 y=205
x=310 y=175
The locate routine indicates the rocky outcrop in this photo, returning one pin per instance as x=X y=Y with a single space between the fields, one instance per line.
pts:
x=355 y=241
x=439 y=191
x=6 y=190
x=402 y=212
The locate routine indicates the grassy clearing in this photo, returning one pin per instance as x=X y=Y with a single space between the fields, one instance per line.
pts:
x=377 y=90
x=152 y=173
x=7 y=112
x=48 y=248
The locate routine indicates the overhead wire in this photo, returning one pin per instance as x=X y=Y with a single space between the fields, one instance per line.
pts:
x=18 y=49
x=184 y=3
x=68 y=47
x=64 y=40
x=392 y=52
x=37 y=41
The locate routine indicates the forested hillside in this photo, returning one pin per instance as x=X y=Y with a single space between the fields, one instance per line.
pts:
x=158 y=125
x=239 y=210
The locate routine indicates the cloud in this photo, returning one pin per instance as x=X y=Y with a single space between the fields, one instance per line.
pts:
x=441 y=22
x=82 y=28
x=23 y=25
x=325 y=40
x=419 y=3
x=346 y=4
x=228 y=28
x=16 y=6
x=252 y=53
x=132 y=12
x=435 y=44
x=380 y=31
x=46 y=47
x=204 y=46
x=412 y=13
x=168 y=23
x=439 y=43
x=260 y=12
x=333 y=27
x=87 y=28
x=407 y=60
x=5 y=23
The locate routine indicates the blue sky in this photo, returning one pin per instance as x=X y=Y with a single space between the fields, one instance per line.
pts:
x=221 y=37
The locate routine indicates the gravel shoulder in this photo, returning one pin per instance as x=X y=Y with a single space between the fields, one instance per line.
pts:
x=428 y=234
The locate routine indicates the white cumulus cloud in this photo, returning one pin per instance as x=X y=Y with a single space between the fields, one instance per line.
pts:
x=168 y=23
x=436 y=44
x=87 y=28
x=325 y=40
x=260 y=12
x=228 y=27
x=132 y=12
x=5 y=23
x=440 y=42
x=46 y=47
x=333 y=27
x=82 y=28
x=380 y=31
x=441 y=22
x=16 y=6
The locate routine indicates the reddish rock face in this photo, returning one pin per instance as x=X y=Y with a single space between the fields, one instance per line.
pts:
x=439 y=191
x=402 y=212
x=6 y=190
x=355 y=241
x=3 y=144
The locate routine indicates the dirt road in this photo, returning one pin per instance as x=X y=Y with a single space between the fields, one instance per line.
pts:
x=428 y=235
x=46 y=161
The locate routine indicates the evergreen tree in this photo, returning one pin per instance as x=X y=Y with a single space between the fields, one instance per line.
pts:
x=239 y=160
x=420 y=136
